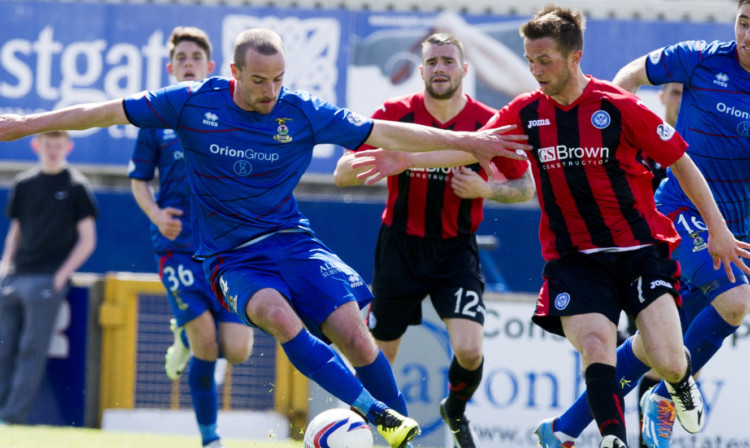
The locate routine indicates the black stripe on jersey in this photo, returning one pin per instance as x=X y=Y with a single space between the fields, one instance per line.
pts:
x=557 y=224
x=611 y=136
x=435 y=194
x=464 y=210
x=401 y=206
x=578 y=181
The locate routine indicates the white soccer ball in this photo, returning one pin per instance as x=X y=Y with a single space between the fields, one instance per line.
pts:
x=338 y=428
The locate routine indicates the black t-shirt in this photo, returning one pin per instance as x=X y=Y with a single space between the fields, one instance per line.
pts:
x=48 y=208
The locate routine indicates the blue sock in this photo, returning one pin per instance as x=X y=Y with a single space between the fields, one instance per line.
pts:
x=703 y=339
x=629 y=369
x=205 y=398
x=319 y=362
x=378 y=379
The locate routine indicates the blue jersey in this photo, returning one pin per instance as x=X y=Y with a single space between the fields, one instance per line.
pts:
x=243 y=166
x=714 y=118
x=160 y=148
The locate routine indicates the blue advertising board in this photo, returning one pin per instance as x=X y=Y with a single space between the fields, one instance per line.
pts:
x=58 y=54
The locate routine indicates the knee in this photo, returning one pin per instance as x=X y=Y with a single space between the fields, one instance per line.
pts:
x=206 y=349
x=236 y=353
x=359 y=348
x=469 y=357
x=732 y=308
x=595 y=349
x=673 y=366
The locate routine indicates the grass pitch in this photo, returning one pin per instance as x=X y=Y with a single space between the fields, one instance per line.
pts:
x=13 y=436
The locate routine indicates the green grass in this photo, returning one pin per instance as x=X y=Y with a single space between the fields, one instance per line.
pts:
x=13 y=436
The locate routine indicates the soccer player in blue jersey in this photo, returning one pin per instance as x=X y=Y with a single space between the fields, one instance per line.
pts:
x=247 y=141
x=197 y=313
x=713 y=118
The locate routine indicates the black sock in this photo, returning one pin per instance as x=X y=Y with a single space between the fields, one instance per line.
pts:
x=645 y=384
x=462 y=385
x=605 y=400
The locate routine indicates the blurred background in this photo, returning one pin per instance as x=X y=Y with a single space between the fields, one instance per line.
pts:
x=106 y=362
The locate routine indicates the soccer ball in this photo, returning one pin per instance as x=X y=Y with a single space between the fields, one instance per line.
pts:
x=338 y=428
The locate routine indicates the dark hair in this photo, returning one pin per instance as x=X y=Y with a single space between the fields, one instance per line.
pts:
x=190 y=34
x=741 y=2
x=445 y=39
x=263 y=41
x=563 y=25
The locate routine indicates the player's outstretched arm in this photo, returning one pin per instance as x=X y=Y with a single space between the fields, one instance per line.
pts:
x=633 y=75
x=722 y=245
x=483 y=145
x=374 y=165
x=84 y=116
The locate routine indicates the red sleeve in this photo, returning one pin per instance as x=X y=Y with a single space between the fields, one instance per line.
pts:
x=510 y=168
x=653 y=136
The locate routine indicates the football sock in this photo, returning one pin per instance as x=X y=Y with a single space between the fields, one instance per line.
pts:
x=629 y=368
x=204 y=396
x=462 y=384
x=319 y=362
x=605 y=400
x=378 y=379
x=703 y=339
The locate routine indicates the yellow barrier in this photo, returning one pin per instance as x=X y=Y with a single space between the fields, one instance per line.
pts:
x=118 y=317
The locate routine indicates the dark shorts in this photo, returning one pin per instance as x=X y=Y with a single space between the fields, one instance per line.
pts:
x=605 y=283
x=188 y=290
x=409 y=268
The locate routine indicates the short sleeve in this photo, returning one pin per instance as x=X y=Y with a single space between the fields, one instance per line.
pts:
x=336 y=125
x=650 y=133
x=84 y=202
x=674 y=63
x=158 y=109
x=145 y=156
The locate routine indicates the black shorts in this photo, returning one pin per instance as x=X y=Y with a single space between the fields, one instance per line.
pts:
x=409 y=268
x=605 y=283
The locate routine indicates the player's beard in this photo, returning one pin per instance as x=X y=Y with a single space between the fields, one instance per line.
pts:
x=452 y=89
x=558 y=86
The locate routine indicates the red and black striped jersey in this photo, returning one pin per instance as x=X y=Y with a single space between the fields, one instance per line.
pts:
x=421 y=201
x=592 y=188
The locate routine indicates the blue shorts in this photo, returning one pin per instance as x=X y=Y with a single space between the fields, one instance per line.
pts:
x=299 y=266
x=702 y=284
x=188 y=291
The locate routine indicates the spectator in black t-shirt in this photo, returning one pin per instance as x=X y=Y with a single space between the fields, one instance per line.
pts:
x=52 y=233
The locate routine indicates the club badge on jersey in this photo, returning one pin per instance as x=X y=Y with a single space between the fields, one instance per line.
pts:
x=282 y=135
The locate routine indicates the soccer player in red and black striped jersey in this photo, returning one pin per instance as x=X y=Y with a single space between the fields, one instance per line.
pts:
x=606 y=246
x=427 y=243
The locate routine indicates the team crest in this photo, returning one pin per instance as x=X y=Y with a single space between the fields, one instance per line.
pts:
x=665 y=131
x=562 y=300
x=282 y=132
x=600 y=119
x=698 y=242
